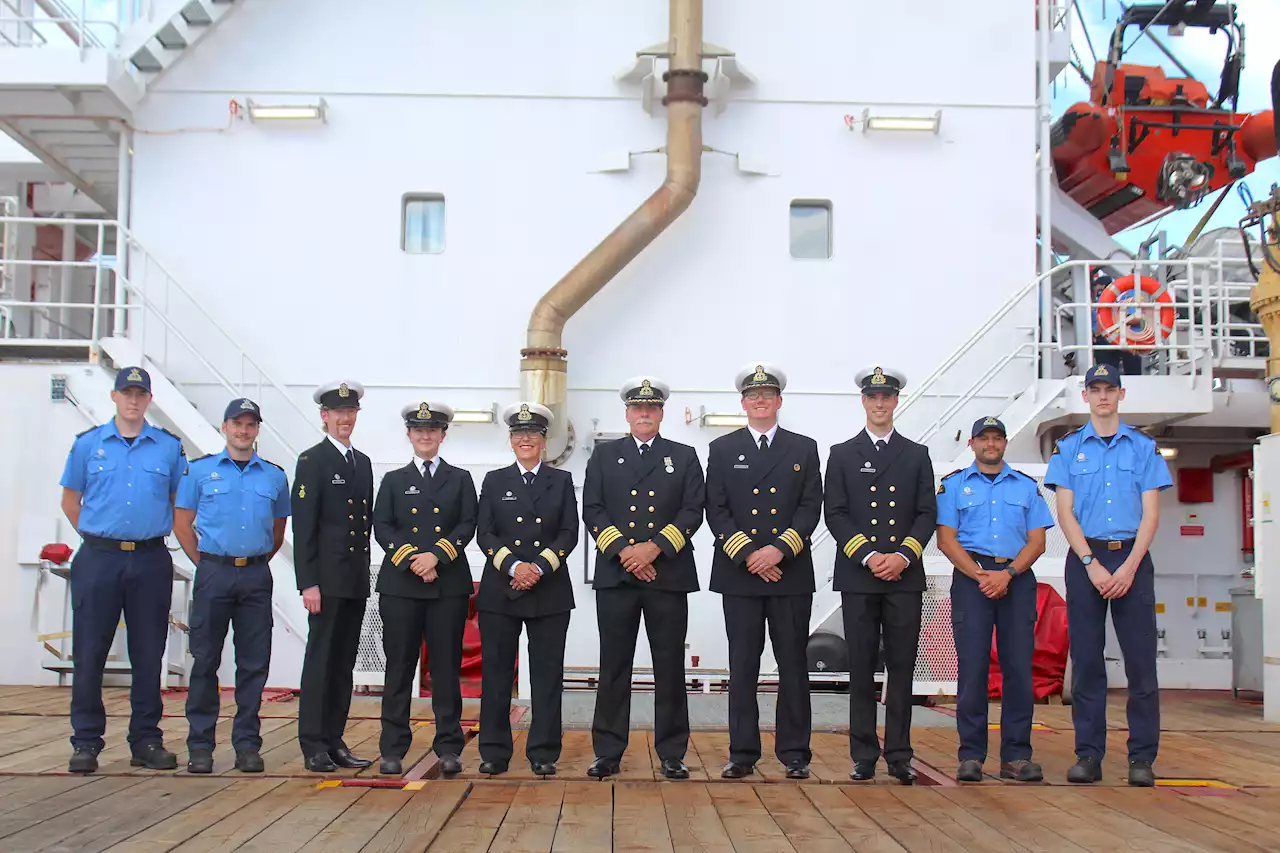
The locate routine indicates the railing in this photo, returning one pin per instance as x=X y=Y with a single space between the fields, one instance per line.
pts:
x=62 y=24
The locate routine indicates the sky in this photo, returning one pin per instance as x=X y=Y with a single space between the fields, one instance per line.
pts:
x=1204 y=55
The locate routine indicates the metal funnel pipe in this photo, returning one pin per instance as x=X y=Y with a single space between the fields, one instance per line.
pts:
x=543 y=362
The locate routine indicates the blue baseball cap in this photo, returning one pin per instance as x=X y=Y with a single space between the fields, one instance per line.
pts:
x=981 y=425
x=242 y=406
x=133 y=377
x=1107 y=373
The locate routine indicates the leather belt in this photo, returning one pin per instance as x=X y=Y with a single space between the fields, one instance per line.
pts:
x=122 y=544
x=978 y=556
x=233 y=561
x=1110 y=544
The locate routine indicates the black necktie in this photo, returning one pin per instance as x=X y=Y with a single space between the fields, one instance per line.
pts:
x=643 y=449
x=764 y=442
x=880 y=443
x=426 y=469
x=528 y=478
x=351 y=460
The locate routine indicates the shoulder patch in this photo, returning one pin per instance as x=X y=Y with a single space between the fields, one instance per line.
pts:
x=941 y=488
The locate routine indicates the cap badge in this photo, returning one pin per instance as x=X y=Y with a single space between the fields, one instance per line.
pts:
x=424 y=412
x=248 y=406
x=646 y=390
x=343 y=390
x=877 y=377
x=134 y=376
x=760 y=374
x=524 y=415
x=1101 y=370
x=991 y=422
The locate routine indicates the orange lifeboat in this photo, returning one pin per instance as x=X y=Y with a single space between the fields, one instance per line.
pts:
x=1145 y=141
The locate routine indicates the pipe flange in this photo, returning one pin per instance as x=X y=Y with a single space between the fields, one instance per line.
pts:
x=685 y=72
x=684 y=84
x=569 y=446
x=544 y=352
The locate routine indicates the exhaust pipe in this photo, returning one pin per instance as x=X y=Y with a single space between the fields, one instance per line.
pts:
x=544 y=360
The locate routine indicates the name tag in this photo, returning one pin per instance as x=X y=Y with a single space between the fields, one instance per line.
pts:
x=868 y=470
x=413 y=490
x=741 y=466
x=338 y=481
x=509 y=497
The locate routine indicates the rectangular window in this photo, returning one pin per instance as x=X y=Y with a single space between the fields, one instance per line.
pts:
x=810 y=229
x=422 y=225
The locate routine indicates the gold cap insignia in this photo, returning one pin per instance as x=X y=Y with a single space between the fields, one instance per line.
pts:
x=877 y=377
x=646 y=390
x=424 y=412
x=134 y=376
x=1101 y=370
x=524 y=415
x=248 y=406
x=760 y=374
x=343 y=390
x=991 y=422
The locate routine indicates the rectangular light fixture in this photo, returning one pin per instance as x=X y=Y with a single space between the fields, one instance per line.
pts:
x=721 y=419
x=1169 y=452
x=917 y=124
x=288 y=112
x=476 y=416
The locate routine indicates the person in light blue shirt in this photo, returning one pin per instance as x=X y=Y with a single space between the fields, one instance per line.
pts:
x=1108 y=477
x=230 y=519
x=117 y=492
x=991 y=526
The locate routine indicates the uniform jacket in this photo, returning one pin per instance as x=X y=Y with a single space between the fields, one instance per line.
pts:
x=880 y=500
x=332 y=520
x=535 y=524
x=660 y=498
x=757 y=498
x=436 y=514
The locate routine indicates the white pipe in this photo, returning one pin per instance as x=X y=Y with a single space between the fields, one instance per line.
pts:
x=1045 y=164
x=65 y=293
x=124 y=202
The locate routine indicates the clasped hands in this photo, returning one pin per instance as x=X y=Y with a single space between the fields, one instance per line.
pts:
x=887 y=567
x=524 y=576
x=994 y=585
x=1112 y=585
x=764 y=563
x=638 y=560
x=424 y=565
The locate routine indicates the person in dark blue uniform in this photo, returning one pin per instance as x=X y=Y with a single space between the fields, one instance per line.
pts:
x=423 y=518
x=528 y=526
x=117 y=492
x=1108 y=477
x=991 y=526
x=764 y=499
x=230 y=518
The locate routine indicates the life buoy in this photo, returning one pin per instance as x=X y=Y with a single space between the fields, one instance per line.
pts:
x=1123 y=303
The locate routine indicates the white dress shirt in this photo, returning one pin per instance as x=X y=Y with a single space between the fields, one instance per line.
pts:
x=342 y=448
x=433 y=463
x=755 y=435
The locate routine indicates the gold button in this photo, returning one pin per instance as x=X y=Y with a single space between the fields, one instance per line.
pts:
x=536 y=543
x=651 y=509
x=893 y=503
x=873 y=538
x=634 y=492
x=517 y=542
x=651 y=494
x=893 y=521
x=519 y=518
x=893 y=488
x=773 y=512
x=437 y=530
x=633 y=508
x=537 y=521
x=773 y=489
x=753 y=531
x=875 y=521
x=873 y=504
x=755 y=512
x=651 y=525
x=366 y=503
x=352 y=548
x=353 y=533
x=415 y=530
x=755 y=491
x=435 y=509
x=893 y=538
x=873 y=488
x=775 y=530
x=365 y=517
x=413 y=511
x=631 y=541
x=349 y=501
x=631 y=524
x=351 y=517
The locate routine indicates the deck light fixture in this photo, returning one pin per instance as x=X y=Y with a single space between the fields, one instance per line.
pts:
x=721 y=419
x=317 y=111
x=918 y=124
x=476 y=416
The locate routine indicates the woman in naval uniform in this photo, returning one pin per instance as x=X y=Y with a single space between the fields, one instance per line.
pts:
x=527 y=527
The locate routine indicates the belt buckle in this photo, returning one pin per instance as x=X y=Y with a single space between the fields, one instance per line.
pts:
x=128 y=546
x=241 y=561
x=1001 y=559
x=1114 y=545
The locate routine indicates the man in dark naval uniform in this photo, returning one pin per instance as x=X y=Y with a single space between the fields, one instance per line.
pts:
x=643 y=501
x=332 y=519
x=528 y=527
x=881 y=511
x=423 y=518
x=764 y=499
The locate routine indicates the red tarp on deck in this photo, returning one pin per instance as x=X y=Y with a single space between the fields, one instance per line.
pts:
x=1049 y=663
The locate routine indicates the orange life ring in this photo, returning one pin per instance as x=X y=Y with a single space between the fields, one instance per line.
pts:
x=1124 y=297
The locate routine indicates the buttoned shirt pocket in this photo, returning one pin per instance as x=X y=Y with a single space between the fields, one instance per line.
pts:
x=1016 y=504
x=215 y=501
x=264 y=498
x=100 y=469
x=156 y=477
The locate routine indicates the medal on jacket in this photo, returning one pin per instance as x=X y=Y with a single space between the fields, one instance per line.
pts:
x=666 y=460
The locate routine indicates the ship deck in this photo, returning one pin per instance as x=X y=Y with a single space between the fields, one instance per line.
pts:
x=1219 y=763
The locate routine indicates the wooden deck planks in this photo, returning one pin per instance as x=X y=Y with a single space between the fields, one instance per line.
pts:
x=476 y=822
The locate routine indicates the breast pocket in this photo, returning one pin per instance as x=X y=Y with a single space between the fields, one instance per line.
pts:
x=156 y=478
x=215 y=500
x=1015 y=507
x=265 y=497
x=100 y=469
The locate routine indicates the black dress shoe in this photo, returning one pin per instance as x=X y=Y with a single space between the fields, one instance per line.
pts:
x=492 y=768
x=1141 y=775
x=343 y=758
x=673 y=768
x=390 y=766
x=603 y=767
x=450 y=765
x=863 y=771
x=970 y=770
x=543 y=768
x=1022 y=770
x=1085 y=770
x=734 y=770
x=154 y=756
x=798 y=769
x=200 y=761
x=320 y=763
x=249 y=761
x=901 y=770
x=83 y=760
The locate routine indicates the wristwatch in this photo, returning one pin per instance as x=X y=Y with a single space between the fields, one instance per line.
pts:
x=1086 y=559
x=1013 y=573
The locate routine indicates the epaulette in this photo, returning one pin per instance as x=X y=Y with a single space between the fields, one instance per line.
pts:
x=302 y=458
x=175 y=437
x=86 y=432
x=272 y=464
x=1057 y=444
x=1021 y=473
x=198 y=458
x=942 y=483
